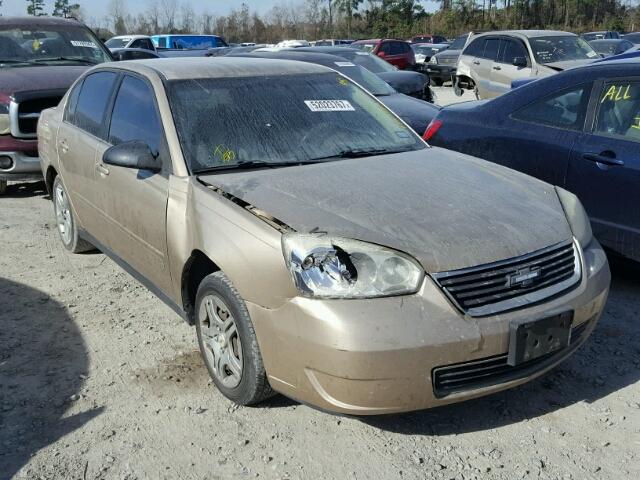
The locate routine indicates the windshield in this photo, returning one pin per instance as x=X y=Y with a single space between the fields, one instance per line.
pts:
x=561 y=49
x=459 y=42
x=367 y=47
x=374 y=84
x=426 y=51
x=117 y=42
x=305 y=118
x=49 y=44
x=367 y=60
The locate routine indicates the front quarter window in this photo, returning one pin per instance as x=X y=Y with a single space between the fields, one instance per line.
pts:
x=305 y=118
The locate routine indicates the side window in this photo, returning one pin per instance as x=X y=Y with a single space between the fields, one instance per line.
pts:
x=564 y=109
x=134 y=115
x=386 y=48
x=475 y=48
x=146 y=43
x=72 y=102
x=491 y=49
x=136 y=44
x=395 y=48
x=162 y=42
x=93 y=101
x=510 y=50
x=619 y=110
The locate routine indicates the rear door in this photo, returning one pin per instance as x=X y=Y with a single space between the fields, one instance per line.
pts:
x=503 y=71
x=605 y=166
x=77 y=140
x=134 y=202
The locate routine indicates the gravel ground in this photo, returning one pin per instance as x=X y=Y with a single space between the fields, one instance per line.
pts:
x=99 y=380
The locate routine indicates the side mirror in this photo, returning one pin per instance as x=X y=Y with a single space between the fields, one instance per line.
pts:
x=519 y=61
x=134 y=154
x=381 y=54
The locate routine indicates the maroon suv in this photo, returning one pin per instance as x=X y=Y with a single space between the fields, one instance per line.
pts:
x=40 y=58
x=396 y=52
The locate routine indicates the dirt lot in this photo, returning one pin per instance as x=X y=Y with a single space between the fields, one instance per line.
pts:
x=99 y=380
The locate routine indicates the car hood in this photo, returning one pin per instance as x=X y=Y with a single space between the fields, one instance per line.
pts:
x=417 y=113
x=49 y=77
x=405 y=82
x=560 y=66
x=448 y=54
x=446 y=209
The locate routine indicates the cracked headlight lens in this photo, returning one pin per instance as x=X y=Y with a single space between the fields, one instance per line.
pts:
x=323 y=266
x=576 y=217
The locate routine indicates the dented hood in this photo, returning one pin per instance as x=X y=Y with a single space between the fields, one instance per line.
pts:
x=446 y=209
x=43 y=77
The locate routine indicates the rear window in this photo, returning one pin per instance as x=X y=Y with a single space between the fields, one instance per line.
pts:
x=304 y=118
x=117 y=42
x=367 y=47
x=459 y=42
x=368 y=61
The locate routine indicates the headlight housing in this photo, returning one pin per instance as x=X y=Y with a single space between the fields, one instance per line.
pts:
x=5 y=124
x=576 y=217
x=323 y=266
x=434 y=60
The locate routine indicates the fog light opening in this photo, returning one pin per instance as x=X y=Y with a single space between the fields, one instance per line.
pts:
x=6 y=163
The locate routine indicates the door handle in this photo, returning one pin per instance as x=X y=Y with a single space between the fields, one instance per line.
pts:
x=64 y=146
x=102 y=170
x=605 y=158
x=497 y=67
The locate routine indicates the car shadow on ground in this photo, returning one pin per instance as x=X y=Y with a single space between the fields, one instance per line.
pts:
x=606 y=363
x=26 y=189
x=43 y=363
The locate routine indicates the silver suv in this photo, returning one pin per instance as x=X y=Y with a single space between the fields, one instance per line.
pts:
x=491 y=61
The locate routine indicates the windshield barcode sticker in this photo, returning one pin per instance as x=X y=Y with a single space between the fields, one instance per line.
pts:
x=79 y=43
x=329 y=106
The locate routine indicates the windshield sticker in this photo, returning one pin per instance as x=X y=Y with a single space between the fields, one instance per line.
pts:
x=362 y=53
x=329 y=105
x=345 y=64
x=402 y=134
x=617 y=93
x=81 y=43
x=36 y=44
x=343 y=81
x=592 y=54
x=224 y=154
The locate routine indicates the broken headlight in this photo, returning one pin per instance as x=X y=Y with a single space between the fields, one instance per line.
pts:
x=331 y=267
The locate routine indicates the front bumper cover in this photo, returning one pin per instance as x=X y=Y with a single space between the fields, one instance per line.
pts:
x=376 y=356
x=24 y=167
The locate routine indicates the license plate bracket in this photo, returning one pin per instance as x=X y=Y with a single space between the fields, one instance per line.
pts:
x=531 y=339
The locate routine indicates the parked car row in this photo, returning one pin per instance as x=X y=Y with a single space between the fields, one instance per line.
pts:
x=320 y=247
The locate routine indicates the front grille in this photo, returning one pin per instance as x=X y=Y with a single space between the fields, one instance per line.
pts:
x=29 y=112
x=447 y=60
x=494 y=370
x=513 y=283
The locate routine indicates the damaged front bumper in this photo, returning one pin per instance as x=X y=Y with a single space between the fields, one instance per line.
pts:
x=378 y=356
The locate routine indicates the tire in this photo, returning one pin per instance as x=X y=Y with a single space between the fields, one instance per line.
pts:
x=438 y=81
x=228 y=342
x=3 y=187
x=65 y=221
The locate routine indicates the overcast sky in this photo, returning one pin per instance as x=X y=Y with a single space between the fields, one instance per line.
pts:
x=98 y=8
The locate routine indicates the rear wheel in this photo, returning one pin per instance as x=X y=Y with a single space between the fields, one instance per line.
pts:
x=228 y=342
x=3 y=187
x=65 y=220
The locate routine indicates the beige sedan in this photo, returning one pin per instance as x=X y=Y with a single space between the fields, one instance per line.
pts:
x=321 y=249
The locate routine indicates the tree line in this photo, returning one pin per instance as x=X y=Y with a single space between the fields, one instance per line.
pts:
x=315 y=19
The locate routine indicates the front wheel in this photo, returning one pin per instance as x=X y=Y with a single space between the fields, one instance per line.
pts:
x=65 y=220
x=228 y=342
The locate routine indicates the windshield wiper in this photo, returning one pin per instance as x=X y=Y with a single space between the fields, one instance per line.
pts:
x=363 y=152
x=13 y=60
x=66 y=59
x=248 y=164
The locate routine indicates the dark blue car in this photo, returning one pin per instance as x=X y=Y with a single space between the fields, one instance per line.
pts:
x=579 y=129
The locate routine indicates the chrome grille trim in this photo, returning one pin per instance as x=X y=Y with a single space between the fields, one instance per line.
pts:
x=485 y=290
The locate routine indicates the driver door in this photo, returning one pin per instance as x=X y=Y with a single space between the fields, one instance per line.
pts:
x=503 y=71
x=133 y=201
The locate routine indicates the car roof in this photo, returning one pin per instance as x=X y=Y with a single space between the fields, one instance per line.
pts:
x=293 y=54
x=185 y=35
x=186 y=68
x=132 y=36
x=22 y=21
x=430 y=44
x=529 y=33
x=369 y=40
x=328 y=49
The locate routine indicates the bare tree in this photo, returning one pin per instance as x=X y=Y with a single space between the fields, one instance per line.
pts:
x=117 y=12
x=168 y=9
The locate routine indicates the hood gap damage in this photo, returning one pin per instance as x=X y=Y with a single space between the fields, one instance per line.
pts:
x=262 y=215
